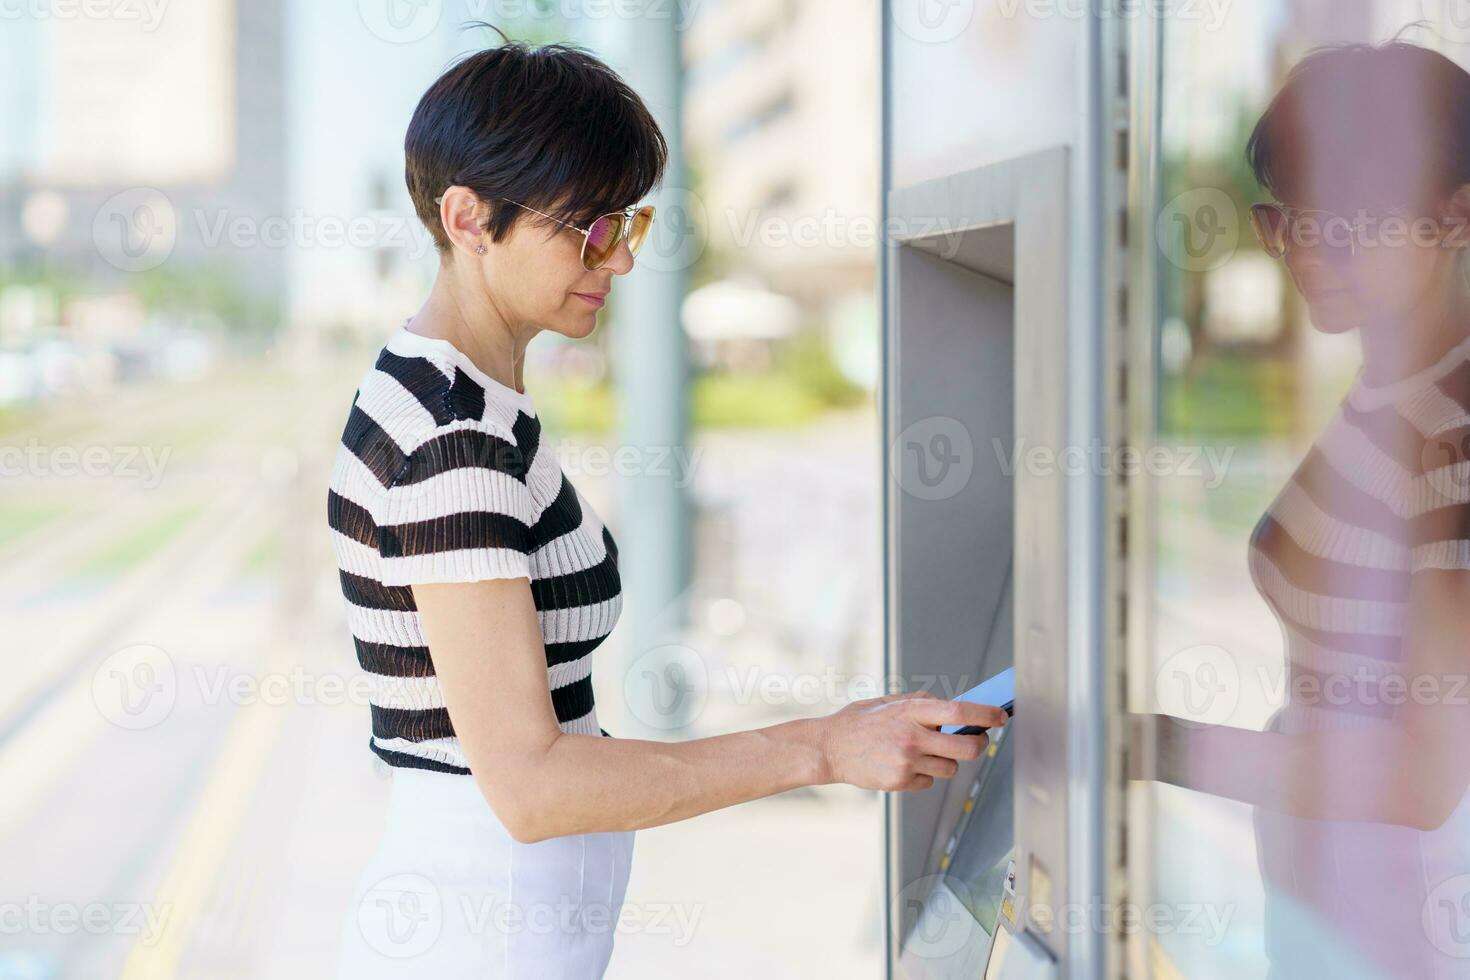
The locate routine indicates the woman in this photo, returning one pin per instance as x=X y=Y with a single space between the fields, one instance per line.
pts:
x=1363 y=825
x=479 y=582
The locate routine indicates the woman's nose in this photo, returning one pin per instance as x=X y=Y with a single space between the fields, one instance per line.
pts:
x=621 y=261
x=1317 y=257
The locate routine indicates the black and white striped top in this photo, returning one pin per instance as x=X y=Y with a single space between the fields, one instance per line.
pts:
x=441 y=477
x=1383 y=493
x=1382 y=497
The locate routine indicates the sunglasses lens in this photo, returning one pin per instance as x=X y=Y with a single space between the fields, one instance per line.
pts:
x=1270 y=227
x=602 y=238
x=642 y=221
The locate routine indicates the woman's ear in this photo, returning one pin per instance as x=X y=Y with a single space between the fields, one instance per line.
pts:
x=460 y=214
x=1456 y=222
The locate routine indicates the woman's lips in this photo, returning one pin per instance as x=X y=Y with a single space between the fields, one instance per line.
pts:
x=596 y=299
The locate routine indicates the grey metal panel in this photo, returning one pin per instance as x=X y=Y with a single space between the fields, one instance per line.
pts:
x=946 y=941
x=1145 y=193
x=952 y=394
x=1023 y=202
x=885 y=180
x=1092 y=214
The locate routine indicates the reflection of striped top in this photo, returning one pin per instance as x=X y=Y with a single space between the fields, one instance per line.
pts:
x=1383 y=493
x=440 y=477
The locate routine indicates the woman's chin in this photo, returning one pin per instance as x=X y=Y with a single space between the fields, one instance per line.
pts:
x=581 y=327
x=1334 y=316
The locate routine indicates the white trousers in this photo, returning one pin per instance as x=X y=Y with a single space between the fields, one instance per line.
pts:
x=450 y=894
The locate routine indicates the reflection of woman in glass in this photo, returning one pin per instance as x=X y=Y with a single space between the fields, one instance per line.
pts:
x=1363 y=828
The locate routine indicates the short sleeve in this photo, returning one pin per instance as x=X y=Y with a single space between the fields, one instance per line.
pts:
x=458 y=509
x=1441 y=528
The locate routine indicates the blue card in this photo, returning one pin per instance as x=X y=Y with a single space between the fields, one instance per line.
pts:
x=1000 y=690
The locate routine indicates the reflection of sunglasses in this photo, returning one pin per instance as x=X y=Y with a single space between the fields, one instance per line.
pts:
x=601 y=238
x=1276 y=226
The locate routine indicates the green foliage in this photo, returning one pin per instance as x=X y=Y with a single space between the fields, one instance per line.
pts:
x=264 y=556
x=737 y=400
x=807 y=362
x=20 y=519
x=803 y=383
x=723 y=400
x=1230 y=395
x=136 y=545
x=538 y=22
x=207 y=289
x=575 y=406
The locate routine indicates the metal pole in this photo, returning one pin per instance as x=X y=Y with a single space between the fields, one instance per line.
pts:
x=650 y=366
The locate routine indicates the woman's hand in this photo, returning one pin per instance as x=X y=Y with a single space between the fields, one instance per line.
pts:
x=892 y=743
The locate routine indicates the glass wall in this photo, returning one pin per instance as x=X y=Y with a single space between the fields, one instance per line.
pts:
x=980 y=81
x=1286 y=519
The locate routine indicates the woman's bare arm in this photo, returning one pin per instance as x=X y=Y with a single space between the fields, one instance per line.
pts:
x=486 y=646
x=1413 y=771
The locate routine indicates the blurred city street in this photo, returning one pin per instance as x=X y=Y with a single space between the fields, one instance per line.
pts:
x=877 y=385
x=188 y=786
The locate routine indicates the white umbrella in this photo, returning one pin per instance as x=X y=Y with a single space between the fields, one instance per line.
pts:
x=735 y=310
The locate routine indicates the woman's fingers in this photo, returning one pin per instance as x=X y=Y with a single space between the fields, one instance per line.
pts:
x=933 y=713
x=898 y=696
x=935 y=766
x=918 y=782
x=891 y=742
x=962 y=748
x=901 y=695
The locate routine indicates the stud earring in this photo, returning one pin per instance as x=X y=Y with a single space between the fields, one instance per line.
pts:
x=480 y=249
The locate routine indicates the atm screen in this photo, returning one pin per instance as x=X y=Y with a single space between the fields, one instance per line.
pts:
x=977 y=869
x=976 y=843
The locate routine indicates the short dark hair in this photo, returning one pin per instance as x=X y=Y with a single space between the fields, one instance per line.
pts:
x=550 y=126
x=1363 y=123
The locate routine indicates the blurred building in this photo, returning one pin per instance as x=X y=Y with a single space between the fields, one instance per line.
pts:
x=149 y=147
x=781 y=115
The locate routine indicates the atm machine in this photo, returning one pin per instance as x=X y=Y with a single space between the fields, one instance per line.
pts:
x=997 y=359
x=980 y=568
